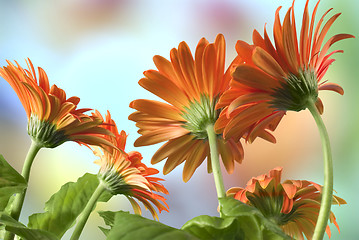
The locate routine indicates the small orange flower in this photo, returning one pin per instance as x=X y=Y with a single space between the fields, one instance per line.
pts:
x=294 y=204
x=52 y=118
x=124 y=173
x=192 y=88
x=276 y=79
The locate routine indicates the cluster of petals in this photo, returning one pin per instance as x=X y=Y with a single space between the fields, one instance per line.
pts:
x=293 y=204
x=48 y=106
x=183 y=82
x=260 y=92
x=125 y=173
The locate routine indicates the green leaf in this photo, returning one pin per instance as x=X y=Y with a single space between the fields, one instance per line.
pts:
x=251 y=220
x=109 y=218
x=21 y=230
x=11 y=182
x=66 y=205
x=126 y=226
x=214 y=228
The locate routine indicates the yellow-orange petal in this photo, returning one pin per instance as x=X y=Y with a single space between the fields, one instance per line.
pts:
x=160 y=135
x=195 y=159
x=170 y=147
x=164 y=88
x=157 y=109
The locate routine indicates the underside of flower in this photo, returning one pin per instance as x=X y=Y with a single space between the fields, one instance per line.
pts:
x=114 y=182
x=199 y=114
x=296 y=91
x=293 y=204
x=45 y=133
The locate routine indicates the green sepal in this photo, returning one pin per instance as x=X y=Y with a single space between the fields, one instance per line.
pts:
x=11 y=182
x=199 y=114
x=21 y=230
x=66 y=205
x=251 y=220
x=126 y=226
x=296 y=91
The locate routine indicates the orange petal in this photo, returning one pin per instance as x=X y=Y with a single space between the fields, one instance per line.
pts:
x=245 y=99
x=209 y=68
x=187 y=65
x=197 y=155
x=160 y=135
x=289 y=189
x=157 y=109
x=267 y=63
x=320 y=106
x=289 y=43
x=198 y=63
x=164 y=67
x=171 y=147
x=224 y=150
x=304 y=37
x=164 y=88
x=254 y=77
x=332 y=87
x=245 y=51
x=328 y=44
x=179 y=156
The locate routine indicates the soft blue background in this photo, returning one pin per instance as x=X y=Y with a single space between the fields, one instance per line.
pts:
x=98 y=49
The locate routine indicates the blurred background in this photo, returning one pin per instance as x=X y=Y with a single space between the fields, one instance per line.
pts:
x=98 y=49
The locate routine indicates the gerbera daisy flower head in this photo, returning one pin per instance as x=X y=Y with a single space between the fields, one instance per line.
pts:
x=293 y=204
x=52 y=118
x=191 y=87
x=275 y=78
x=126 y=174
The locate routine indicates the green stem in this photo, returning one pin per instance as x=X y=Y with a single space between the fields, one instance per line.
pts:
x=87 y=211
x=19 y=198
x=327 y=193
x=216 y=168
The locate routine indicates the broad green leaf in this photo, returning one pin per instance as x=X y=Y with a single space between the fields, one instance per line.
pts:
x=2 y=231
x=214 y=228
x=109 y=219
x=126 y=226
x=66 y=205
x=21 y=230
x=249 y=217
x=11 y=182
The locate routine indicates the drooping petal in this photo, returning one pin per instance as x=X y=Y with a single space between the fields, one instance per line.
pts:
x=332 y=87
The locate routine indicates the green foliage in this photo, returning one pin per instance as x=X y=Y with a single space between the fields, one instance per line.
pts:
x=251 y=220
x=214 y=228
x=21 y=230
x=11 y=182
x=239 y=222
x=126 y=226
x=66 y=205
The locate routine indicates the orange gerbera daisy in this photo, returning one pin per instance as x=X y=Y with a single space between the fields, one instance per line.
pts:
x=192 y=88
x=124 y=173
x=52 y=118
x=276 y=79
x=294 y=204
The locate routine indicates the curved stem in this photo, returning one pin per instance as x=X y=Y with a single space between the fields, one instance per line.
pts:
x=19 y=198
x=87 y=211
x=327 y=193
x=216 y=168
